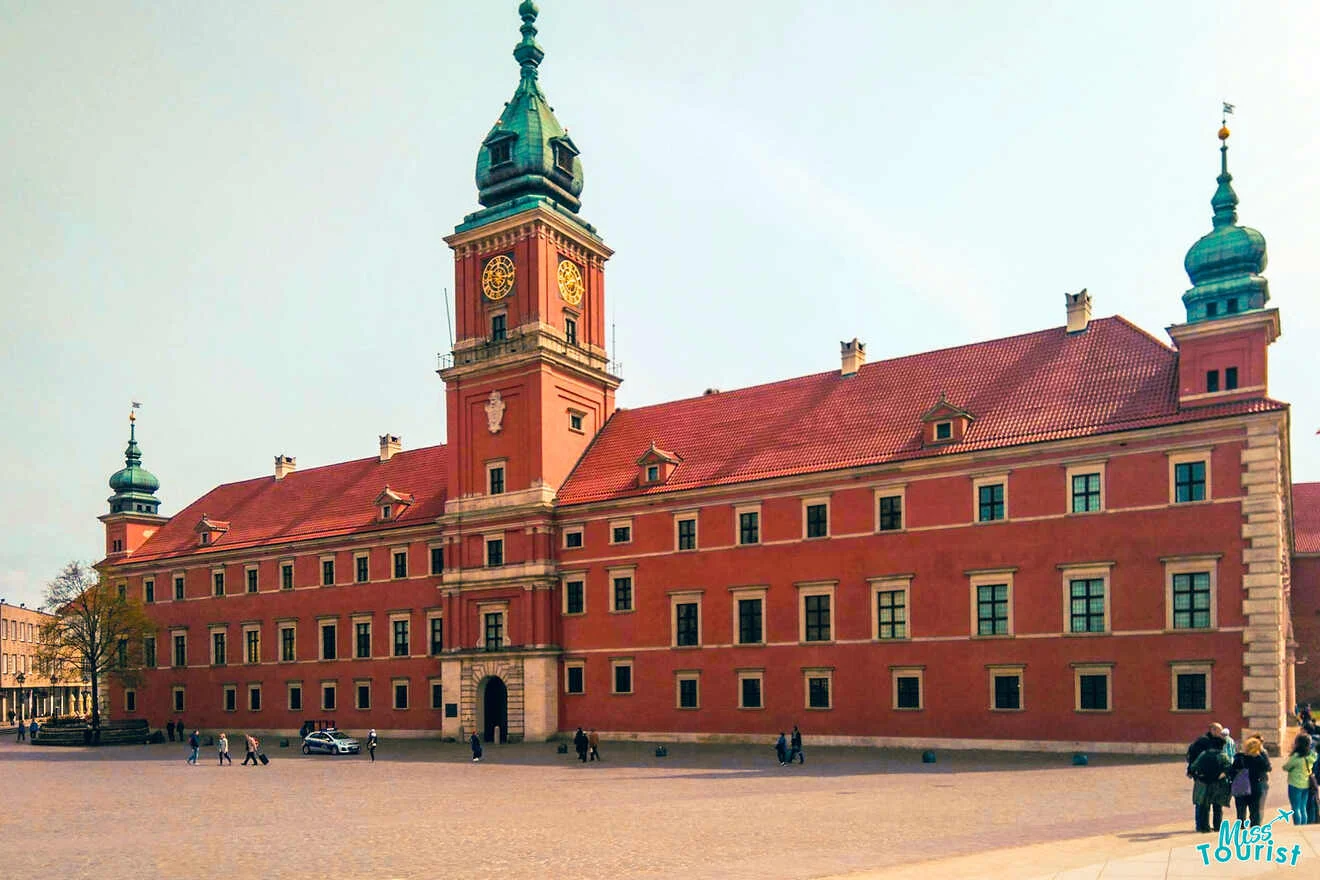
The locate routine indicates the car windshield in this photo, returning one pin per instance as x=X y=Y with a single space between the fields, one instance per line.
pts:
x=339 y=736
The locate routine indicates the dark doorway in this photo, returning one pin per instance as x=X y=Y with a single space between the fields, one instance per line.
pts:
x=496 y=710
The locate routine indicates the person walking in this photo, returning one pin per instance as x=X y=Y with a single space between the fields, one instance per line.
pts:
x=781 y=749
x=33 y=728
x=22 y=731
x=1300 y=764
x=1254 y=761
x=795 y=746
x=593 y=744
x=252 y=746
x=580 y=745
x=371 y=744
x=194 y=743
x=475 y=742
x=1211 y=789
x=222 y=746
x=169 y=729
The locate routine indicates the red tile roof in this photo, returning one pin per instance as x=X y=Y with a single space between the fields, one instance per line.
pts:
x=319 y=502
x=1306 y=517
x=1039 y=386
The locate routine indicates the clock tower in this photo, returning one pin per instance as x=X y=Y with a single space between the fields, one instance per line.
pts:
x=527 y=386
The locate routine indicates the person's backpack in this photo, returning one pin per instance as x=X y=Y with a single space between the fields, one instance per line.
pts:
x=1209 y=765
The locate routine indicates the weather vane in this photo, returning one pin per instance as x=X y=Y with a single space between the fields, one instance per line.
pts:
x=132 y=414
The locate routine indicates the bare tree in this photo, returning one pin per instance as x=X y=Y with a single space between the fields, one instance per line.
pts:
x=95 y=629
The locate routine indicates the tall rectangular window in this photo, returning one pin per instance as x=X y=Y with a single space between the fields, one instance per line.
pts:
x=218 y=580
x=251 y=580
x=574 y=598
x=178 y=589
x=149 y=591
x=496 y=480
x=817 y=610
x=400 y=638
x=494 y=630
x=891 y=614
x=401 y=564
x=1191 y=600
x=750 y=631
x=253 y=645
x=231 y=699
x=361 y=565
x=686 y=629
x=180 y=650
x=992 y=610
x=623 y=593
x=623 y=678
x=1008 y=691
x=891 y=513
x=218 y=648
x=818 y=523
x=327 y=572
x=749 y=687
x=990 y=502
x=295 y=698
x=286 y=576
x=570 y=331
x=328 y=696
x=1085 y=493
x=437 y=560
x=437 y=695
x=400 y=695
x=907 y=692
x=1230 y=378
x=495 y=552
x=573 y=678
x=287 y=645
x=130 y=701
x=1211 y=380
x=687 y=534
x=329 y=641
x=149 y=652
x=1189 y=481
x=749 y=527
x=688 y=695
x=178 y=700
x=437 y=635
x=1086 y=597
x=254 y=698
x=362 y=639
x=1093 y=692
x=362 y=695
x=499 y=328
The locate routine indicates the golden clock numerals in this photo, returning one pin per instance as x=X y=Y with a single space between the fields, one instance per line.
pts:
x=571 y=287
x=497 y=278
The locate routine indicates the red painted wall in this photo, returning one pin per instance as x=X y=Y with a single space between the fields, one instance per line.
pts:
x=1306 y=626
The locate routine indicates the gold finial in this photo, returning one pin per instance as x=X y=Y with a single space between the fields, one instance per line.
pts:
x=132 y=416
x=1223 y=123
x=1223 y=132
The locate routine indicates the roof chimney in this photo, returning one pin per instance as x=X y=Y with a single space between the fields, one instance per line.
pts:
x=853 y=355
x=1079 y=310
x=389 y=445
x=285 y=465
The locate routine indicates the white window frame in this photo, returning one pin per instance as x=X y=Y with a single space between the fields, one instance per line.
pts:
x=738 y=511
x=248 y=571
x=652 y=473
x=179 y=698
x=629 y=572
x=430 y=693
x=1105 y=669
x=333 y=687
x=810 y=672
x=739 y=593
x=829 y=524
x=814 y=588
x=576 y=529
x=917 y=672
x=577 y=664
x=175 y=577
x=255 y=687
x=619 y=524
x=988 y=480
x=406 y=617
x=891 y=491
x=431 y=547
x=175 y=633
x=502 y=609
x=986 y=579
x=578 y=576
x=582 y=419
x=485 y=550
x=371 y=636
x=394 y=693
x=430 y=616
x=1191 y=565
x=497 y=464
x=757 y=674
x=288 y=696
x=1188 y=456
x=1083 y=469
x=225 y=691
x=280 y=651
x=130 y=695
x=684 y=516
x=320 y=570
x=683 y=597
x=224 y=582
x=358 y=684
x=680 y=676
x=616 y=662
x=210 y=640
x=1101 y=571
x=247 y=628
x=293 y=571
x=154 y=597
x=320 y=639
x=891 y=584
x=1005 y=670
x=1191 y=667
x=935 y=431
x=356 y=558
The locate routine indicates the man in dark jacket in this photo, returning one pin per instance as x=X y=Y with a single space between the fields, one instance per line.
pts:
x=1212 y=738
x=1208 y=767
x=169 y=729
x=781 y=749
x=795 y=747
x=475 y=742
x=580 y=744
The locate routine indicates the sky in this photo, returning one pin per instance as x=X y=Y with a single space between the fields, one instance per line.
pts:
x=233 y=212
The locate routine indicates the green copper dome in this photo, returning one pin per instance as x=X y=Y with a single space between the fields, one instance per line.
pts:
x=134 y=486
x=528 y=153
x=1225 y=264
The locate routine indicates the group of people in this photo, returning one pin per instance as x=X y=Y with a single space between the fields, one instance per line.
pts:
x=788 y=749
x=1222 y=773
x=253 y=756
x=26 y=730
x=587 y=745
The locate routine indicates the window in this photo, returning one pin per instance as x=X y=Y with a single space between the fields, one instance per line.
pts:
x=362 y=639
x=570 y=334
x=1211 y=380
x=287 y=652
x=252 y=645
x=621 y=593
x=386 y=511
x=180 y=650
x=992 y=610
x=573 y=538
x=1086 y=488
x=149 y=652
x=494 y=552
x=254 y=698
x=1211 y=310
x=218 y=581
x=818 y=688
x=231 y=698
x=621 y=532
x=575 y=421
x=437 y=695
x=563 y=158
x=149 y=591
x=943 y=430
x=750 y=619
x=749 y=527
x=437 y=560
x=286 y=576
x=494 y=630
x=890 y=612
x=178 y=587
x=329 y=641
x=1232 y=305
x=686 y=533
x=400 y=695
x=437 y=635
x=689 y=692
x=908 y=684
x=251 y=579
x=1191 y=600
x=130 y=701
x=499 y=328
x=295 y=697
x=401 y=647
x=1006 y=688
x=1189 y=480
x=652 y=473
x=205 y=538
x=362 y=695
x=749 y=689
x=815 y=612
x=116 y=546
x=889 y=517
x=217 y=649
x=1230 y=377
x=501 y=151
x=361 y=568
x=121 y=656
x=400 y=563
x=575 y=600
x=1191 y=687
x=990 y=499
x=495 y=475
x=1092 y=688
x=687 y=621
x=328 y=694
x=816 y=519
x=327 y=572
x=1087 y=608
x=575 y=677
x=178 y=699
x=122 y=591
x=621 y=673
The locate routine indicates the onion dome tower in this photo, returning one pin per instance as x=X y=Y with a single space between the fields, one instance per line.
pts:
x=134 y=486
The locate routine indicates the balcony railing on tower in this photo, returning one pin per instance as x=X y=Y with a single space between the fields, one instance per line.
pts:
x=516 y=341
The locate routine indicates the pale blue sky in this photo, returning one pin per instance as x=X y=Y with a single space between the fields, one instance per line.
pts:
x=233 y=212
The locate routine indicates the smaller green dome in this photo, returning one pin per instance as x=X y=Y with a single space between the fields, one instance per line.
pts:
x=134 y=479
x=134 y=486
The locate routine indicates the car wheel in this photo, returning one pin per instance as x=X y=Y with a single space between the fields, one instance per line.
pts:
x=307 y=750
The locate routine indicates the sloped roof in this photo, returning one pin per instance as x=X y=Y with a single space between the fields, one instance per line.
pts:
x=319 y=502
x=1306 y=517
x=1047 y=385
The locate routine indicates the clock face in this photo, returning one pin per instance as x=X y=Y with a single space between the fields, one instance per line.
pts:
x=571 y=287
x=497 y=278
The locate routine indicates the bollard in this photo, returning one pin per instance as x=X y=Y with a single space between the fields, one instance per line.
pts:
x=661 y=752
x=1080 y=760
x=928 y=757
x=563 y=748
x=284 y=742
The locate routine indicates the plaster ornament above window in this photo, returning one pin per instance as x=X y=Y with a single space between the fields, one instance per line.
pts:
x=495 y=412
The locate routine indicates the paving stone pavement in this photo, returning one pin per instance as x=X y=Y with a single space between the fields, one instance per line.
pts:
x=705 y=811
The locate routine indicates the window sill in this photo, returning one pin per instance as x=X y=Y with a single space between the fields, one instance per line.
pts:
x=574 y=693
x=819 y=708
x=1190 y=503
x=751 y=708
x=808 y=643
x=990 y=522
x=760 y=644
x=624 y=611
x=749 y=544
x=816 y=537
x=1204 y=711
x=1094 y=711
x=1184 y=630
x=892 y=639
x=1084 y=512
x=619 y=543
x=574 y=614
x=688 y=708
x=1008 y=711
x=621 y=693
x=909 y=708
x=994 y=637
x=890 y=531
x=685 y=647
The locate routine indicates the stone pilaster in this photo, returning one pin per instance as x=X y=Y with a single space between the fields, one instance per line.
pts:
x=1264 y=582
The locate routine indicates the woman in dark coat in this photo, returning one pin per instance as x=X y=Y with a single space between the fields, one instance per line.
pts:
x=1256 y=762
x=475 y=742
x=1211 y=788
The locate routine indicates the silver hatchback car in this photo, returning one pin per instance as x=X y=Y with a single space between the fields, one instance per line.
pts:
x=330 y=742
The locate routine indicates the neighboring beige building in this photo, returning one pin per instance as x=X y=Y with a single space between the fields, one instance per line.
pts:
x=40 y=694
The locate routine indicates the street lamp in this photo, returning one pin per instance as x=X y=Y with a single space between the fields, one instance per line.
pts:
x=52 y=694
x=20 y=678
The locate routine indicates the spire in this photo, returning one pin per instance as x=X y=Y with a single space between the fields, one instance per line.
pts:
x=1225 y=201
x=134 y=486
x=528 y=53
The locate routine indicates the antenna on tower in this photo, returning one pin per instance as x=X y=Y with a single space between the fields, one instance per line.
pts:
x=450 y=320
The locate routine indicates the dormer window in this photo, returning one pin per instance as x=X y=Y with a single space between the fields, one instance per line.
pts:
x=944 y=423
x=390 y=504
x=943 y=430
x=209 y=530
x=563 y=158
x=206 y=538
x=656 y=466
x=501 y=152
